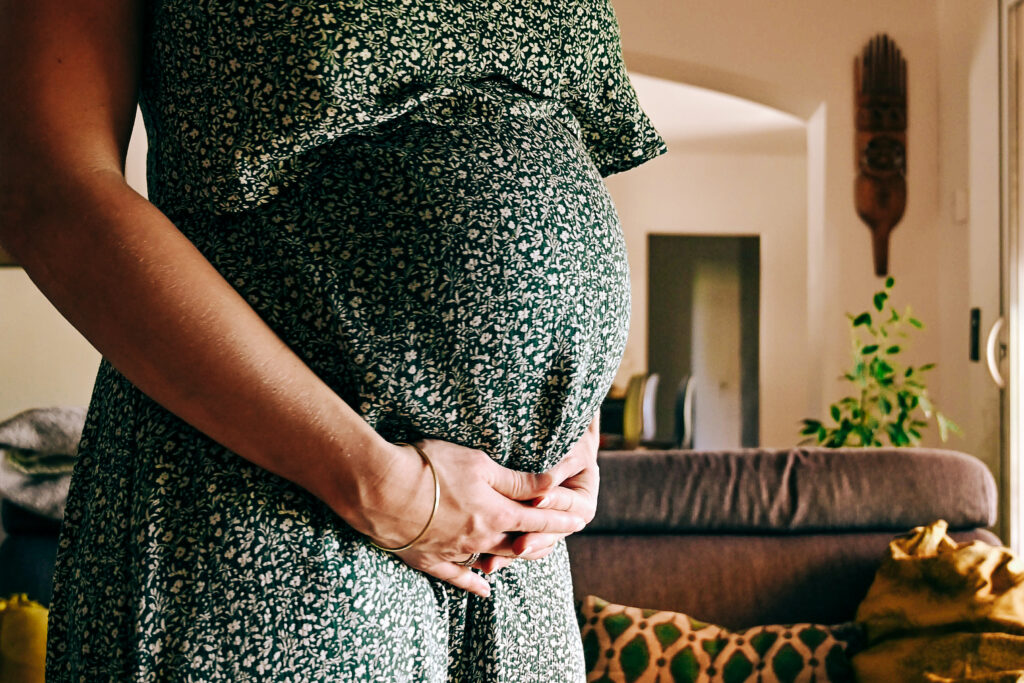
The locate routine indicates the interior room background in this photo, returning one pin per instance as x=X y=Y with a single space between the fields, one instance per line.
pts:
x=755 y=102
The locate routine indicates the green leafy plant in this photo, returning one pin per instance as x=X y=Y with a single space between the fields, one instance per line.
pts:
x=890 y=400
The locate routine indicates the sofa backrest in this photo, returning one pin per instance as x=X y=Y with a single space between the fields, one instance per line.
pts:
x=791 y=490
x=758 y=536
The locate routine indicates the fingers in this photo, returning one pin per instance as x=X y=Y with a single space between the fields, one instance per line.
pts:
x=461 y=577
x=568 y=466
x=525 y=547
x=534 y=546
x=581 y=457
x=546 y=521
x=489 y=564
x=557 y=499
x=578 y=496
x=520 y=485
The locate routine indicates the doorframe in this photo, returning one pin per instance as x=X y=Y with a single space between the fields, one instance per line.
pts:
x=1011 y=510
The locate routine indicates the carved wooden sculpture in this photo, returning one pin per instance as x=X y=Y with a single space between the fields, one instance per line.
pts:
x=880 y=78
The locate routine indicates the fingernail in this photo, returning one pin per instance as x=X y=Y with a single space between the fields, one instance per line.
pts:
x=486 y=590
x=541 y=502
x=580 y=524
x=526 y=551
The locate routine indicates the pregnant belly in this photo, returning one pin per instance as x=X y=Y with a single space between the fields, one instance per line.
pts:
x=462 y=279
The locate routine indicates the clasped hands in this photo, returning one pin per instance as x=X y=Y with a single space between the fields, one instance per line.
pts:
x=489 y=509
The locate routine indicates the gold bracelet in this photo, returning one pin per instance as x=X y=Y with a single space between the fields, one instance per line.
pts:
x=437 y=500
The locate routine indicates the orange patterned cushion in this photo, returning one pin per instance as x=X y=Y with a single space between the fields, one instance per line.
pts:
x=634 y=645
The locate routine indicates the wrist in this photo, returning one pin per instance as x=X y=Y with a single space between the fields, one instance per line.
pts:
x=357 y=463
x=436 y=492
x=380 y=489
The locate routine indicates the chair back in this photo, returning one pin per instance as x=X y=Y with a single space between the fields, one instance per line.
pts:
x=638 y=416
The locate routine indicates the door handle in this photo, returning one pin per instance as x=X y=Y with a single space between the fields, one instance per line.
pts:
x=990 y=354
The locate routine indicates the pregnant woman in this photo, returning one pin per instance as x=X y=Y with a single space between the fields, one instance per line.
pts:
x=375 y=298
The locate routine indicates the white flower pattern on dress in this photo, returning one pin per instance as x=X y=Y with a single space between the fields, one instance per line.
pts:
x=410 y=193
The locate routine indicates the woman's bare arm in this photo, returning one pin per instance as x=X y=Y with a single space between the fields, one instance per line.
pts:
x=149 y=301
x=123 y=275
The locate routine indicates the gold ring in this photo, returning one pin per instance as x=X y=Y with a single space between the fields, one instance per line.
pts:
x=470 y=561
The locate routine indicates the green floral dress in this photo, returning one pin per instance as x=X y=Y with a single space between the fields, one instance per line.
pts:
x=410 y=193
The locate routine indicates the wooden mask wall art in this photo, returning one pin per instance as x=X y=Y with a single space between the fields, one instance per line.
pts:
x=880 y=191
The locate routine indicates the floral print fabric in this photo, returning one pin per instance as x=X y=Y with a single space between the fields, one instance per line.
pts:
x=241 y=89
x=451 y=264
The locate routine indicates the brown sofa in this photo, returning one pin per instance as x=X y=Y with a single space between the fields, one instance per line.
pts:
x=748 y=537
x=739 y=538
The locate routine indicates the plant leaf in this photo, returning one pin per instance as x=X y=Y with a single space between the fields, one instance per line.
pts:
x=880 y=298
x=916 y=323
x=862 y=319
x=950 y=425
x=889 y=282
x=870 y=348
x=860 y=371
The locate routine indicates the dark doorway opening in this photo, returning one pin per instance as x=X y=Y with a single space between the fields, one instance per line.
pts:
x=703 y=326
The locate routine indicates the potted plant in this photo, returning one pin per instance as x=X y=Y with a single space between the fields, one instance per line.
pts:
x=889 y=400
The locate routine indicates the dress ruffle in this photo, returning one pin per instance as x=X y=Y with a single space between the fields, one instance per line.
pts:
x=277 y=79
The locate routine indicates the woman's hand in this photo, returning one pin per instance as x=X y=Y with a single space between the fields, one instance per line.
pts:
x=479 y=508
x=576 y=480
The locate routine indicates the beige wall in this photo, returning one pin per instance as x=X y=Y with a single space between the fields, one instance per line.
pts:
x=730 y=193
x=797 y=56
x=969 y=267
x=44 y=361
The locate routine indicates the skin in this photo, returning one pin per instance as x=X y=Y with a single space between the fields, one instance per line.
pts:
x=579 y=479
x=188 y=340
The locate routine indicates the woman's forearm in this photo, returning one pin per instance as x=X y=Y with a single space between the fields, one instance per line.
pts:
x=148 y=300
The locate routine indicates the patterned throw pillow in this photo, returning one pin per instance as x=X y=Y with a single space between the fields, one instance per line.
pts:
x=634 y=645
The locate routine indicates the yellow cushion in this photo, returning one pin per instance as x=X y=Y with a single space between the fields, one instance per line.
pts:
x=22 y=640
x=941 y=611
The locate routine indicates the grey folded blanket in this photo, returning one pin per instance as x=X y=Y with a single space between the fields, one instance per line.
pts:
x=37 y=453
